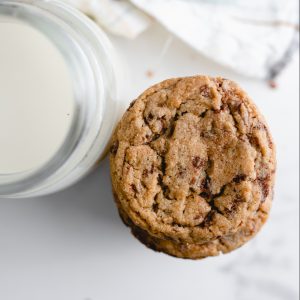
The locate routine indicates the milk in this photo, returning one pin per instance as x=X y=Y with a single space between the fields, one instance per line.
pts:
x=36 y=98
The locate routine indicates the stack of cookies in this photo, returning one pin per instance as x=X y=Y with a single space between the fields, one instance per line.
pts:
x=192 y=167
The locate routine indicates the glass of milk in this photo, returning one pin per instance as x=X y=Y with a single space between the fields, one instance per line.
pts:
x=59 y=96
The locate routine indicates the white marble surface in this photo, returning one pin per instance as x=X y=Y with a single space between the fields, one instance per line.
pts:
x=72 y=245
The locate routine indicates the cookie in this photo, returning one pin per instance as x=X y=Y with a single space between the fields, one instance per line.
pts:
x=192 y=167
x=223 y=244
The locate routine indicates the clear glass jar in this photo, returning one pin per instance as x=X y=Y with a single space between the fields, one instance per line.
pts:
x=95 y=71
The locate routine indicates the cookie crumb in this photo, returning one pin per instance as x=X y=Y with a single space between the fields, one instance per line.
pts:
x=273 y=84
x=150 y=74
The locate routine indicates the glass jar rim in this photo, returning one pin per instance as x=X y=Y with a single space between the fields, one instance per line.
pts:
x=70 y=31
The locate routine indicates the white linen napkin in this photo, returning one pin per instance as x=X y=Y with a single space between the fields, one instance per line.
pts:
x=255 y=38
x=118 y=17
